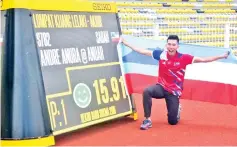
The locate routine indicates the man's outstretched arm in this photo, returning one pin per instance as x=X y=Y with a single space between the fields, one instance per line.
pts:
x=210 y=59
x=137 y=49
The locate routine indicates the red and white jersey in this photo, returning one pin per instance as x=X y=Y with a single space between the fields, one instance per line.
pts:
x=171 y=70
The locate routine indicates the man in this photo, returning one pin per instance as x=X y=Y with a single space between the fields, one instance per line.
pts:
x=172 y=65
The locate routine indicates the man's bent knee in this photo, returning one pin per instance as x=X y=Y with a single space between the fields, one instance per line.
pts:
x=146 y=92
x=173 y=121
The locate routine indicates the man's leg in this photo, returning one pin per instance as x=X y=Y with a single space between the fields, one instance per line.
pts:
x=155 y=91
x=173 y=108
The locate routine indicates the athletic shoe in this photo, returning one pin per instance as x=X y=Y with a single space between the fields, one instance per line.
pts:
x=146 y=124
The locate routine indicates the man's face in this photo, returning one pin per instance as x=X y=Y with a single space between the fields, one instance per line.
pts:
x=172 y=46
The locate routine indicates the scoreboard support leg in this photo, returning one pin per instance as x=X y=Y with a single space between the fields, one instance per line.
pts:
x=134 y=115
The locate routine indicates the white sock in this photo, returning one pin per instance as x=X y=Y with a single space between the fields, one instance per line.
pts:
x=148 y=118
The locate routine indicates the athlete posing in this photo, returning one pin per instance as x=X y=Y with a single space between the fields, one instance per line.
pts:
x=172 y=65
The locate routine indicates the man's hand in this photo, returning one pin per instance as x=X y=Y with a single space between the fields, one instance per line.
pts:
x=225 y=55
x=210 y=59
x=123 y=41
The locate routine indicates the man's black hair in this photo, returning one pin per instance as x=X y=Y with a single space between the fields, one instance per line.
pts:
x=173 y=37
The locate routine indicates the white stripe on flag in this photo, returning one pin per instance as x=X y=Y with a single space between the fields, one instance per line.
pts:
x=218 y=72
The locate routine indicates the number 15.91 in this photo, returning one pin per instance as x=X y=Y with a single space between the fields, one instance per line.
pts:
x=102 y=90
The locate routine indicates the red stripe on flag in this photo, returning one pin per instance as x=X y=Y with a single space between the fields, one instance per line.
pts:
x=136 y=83
x=210 y=92
x=193 y=90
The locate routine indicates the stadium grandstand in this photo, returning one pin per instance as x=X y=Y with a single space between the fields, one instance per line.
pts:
x=201 y=22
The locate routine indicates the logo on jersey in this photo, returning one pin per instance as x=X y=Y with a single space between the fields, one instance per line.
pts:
x=176 y=63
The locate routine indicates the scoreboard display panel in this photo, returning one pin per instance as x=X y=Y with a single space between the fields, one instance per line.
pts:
x=80 y=68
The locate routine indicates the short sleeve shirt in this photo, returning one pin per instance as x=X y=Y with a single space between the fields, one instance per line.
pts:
x=172 y=70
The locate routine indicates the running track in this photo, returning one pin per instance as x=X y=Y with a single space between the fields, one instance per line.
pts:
x=201 y=124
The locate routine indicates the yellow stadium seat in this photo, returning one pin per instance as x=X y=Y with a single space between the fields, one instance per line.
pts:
x=121 y=4
x=143 y=24
x=227 y=5
x=211 y=0
x=174 y=17
x=139 y=4
x=127 y=10
x=233 y=43
x=175 y=10
x=154 y=5
x=195 y=23
x=185 y=4
x=212 y=30
x=121 y=10
x=219 y=11
x=134 y=17
x=127 y=32
x=217 y=0
x=173 y=30
x=126 y=17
